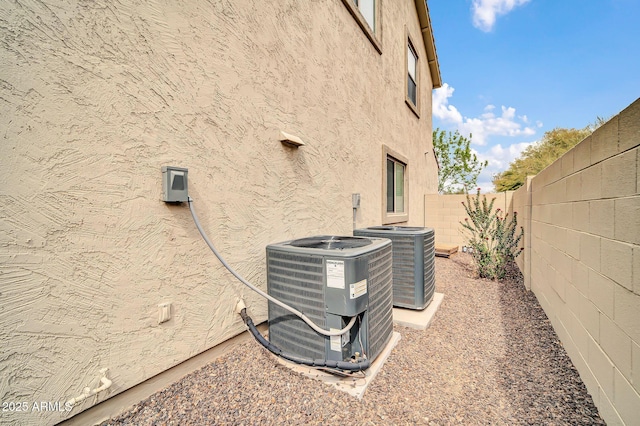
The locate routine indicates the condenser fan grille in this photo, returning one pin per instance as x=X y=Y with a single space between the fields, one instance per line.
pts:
x=331 y=242
x=396 y=228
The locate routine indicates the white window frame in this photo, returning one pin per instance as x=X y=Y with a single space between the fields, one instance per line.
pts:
x=368 y=10
x=398 y=215
x=411 y=47
x=373 y=32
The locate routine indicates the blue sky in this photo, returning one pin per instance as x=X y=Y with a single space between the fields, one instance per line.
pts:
x=514 y=69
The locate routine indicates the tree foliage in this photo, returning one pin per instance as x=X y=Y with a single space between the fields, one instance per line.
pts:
x=536 y=157
x=458 y=166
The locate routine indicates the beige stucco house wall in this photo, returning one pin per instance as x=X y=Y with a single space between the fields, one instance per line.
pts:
x=96 y=97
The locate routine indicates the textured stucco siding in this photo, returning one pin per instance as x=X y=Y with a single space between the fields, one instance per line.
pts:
x=96 y=96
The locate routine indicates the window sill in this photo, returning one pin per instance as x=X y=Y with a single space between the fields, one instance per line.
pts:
x=353 y=9
x=412 y=107
x=394 y=218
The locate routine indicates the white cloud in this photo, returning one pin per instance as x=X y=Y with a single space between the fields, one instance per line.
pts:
x=486 y=125
x=499 y=158
x=489 y=124
x=486 y=11
x=441 y=107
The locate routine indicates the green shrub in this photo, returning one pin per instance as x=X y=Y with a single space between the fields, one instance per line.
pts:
x=492 y=236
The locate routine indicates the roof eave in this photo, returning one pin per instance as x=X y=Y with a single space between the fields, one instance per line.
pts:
x=429 y=42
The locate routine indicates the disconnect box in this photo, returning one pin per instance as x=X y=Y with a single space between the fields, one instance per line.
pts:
x=174 y=184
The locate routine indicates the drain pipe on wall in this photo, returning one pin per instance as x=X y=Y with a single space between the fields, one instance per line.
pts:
x=106 y=384
x=355 y=203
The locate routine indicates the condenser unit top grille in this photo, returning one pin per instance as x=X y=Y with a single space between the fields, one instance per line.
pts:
x=331 y=245
x=400 y=229
x=331 y=242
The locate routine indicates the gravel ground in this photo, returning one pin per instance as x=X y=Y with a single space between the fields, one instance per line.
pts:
x=489 y=357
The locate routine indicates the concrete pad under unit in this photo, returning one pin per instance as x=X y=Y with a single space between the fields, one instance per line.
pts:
x=418 y=319
x=356 y=384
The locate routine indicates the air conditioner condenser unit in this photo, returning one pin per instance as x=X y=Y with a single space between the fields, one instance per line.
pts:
x=413 y=263
x=331 y=279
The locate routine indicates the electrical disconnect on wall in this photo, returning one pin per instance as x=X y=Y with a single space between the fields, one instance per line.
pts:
x=174 y=184
x=355 y=200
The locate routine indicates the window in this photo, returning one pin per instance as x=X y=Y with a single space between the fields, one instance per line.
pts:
x=412 y=98
x=412 y=60
x=368 y=11
x=395 y=188
x=367 y=15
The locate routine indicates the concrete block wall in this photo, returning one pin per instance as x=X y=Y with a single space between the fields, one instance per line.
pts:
x=444 y=213
x=521 y=206
x=581 y=217
x=585 y=260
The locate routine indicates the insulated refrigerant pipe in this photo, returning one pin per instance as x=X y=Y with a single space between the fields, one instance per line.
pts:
x=283 y=305
x=341 y=365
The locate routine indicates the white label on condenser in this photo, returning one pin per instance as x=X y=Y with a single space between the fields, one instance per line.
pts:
x=337 y=342
x=357 y=289
x=335 y=274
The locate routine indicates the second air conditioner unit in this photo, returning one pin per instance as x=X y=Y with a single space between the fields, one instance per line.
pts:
x=413 y=263
x=331 y=279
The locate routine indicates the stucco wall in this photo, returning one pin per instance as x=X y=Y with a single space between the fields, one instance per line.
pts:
x=585 y=260
x=96 y=97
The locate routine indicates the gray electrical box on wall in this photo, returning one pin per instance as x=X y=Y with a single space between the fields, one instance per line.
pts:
x=174 y=184
x=355 y=200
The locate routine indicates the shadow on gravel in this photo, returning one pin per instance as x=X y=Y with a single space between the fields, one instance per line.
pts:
x=536 y=373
